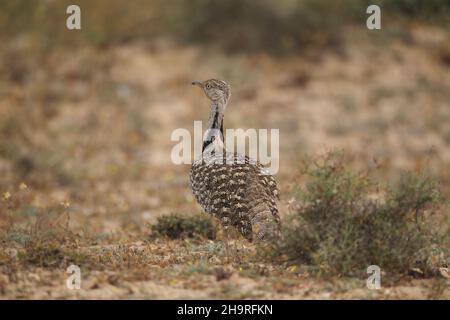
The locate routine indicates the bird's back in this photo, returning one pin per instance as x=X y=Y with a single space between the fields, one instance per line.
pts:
x=238 y=191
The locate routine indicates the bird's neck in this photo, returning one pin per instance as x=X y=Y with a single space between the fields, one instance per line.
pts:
x=214 y=132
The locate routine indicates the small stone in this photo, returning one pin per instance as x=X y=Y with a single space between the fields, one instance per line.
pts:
x=12 y=253
x=445 y=272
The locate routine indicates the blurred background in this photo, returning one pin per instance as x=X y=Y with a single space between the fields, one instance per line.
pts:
x=86 y=115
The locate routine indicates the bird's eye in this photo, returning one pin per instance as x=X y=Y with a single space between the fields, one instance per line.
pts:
x=208 y=86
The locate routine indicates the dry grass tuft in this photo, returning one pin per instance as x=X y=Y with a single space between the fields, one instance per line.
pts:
x=177 y=226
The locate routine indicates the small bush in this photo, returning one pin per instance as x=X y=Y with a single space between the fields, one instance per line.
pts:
x=341 y=225
x=51 y=255
x=177 y=226
x=40 y=235
x=27 y=224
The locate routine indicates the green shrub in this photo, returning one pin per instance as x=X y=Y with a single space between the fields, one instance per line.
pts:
x=341 y=223
x=176 y=226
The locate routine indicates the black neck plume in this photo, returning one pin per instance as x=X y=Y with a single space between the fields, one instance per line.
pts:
x=215 y=127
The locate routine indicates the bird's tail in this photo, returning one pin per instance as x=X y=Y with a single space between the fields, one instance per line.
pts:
x=265 y=225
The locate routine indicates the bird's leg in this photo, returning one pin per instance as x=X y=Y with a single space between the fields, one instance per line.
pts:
x=239 y=251
x=227 y=249
x=235 y=251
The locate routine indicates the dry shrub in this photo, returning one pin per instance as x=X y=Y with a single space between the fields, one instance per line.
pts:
x=176 y=226
x=342 y=223
x=40 y=235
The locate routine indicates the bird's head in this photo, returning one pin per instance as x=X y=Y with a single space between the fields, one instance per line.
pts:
x=215 y=90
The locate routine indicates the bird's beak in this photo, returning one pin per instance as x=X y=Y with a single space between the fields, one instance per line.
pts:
x=197 y=83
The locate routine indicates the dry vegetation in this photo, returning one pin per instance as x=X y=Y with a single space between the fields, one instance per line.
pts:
x=342 y=220
x=85 y=124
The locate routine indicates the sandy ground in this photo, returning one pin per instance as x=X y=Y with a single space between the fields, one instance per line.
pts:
x=105 y=147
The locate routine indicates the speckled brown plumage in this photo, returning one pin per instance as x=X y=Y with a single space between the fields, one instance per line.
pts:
x=237 y=190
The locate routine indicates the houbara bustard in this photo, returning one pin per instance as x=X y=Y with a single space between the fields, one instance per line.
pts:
x=234 y=188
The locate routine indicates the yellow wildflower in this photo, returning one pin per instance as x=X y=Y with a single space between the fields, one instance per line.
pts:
x=65 y=204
